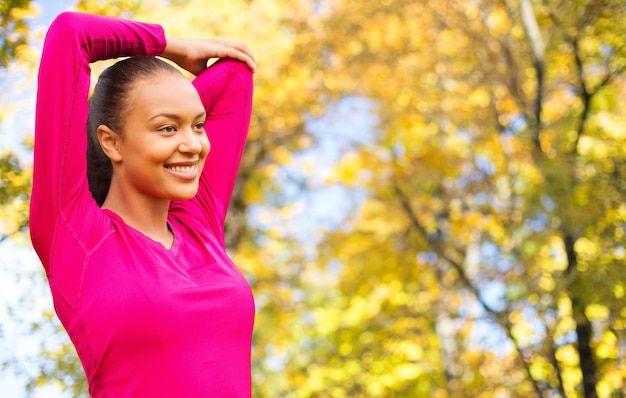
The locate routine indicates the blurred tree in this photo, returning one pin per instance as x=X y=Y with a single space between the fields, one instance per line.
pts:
x=14 y=195
x=13 y=28
x=496 y=201
x=14 y=175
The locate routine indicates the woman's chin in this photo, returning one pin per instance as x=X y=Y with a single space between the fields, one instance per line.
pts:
x=185 y=194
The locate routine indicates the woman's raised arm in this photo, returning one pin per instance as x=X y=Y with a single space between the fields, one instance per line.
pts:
x=225 y=89
x=61 y=204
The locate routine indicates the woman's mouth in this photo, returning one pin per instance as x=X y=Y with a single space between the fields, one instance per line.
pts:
x=183 y=171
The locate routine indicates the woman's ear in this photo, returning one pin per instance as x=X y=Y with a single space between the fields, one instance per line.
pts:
x=110 y=142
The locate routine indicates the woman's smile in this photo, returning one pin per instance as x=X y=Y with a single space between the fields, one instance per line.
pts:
x=183 y=170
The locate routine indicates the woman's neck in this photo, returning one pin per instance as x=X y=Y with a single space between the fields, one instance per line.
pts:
x=145 y=214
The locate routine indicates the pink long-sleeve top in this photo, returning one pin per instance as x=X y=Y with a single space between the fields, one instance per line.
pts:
x=146 y=321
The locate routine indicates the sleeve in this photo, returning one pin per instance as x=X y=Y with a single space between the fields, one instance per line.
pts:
x=225 y=89
x=61 y=201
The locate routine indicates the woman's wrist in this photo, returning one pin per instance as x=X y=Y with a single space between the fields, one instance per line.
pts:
x=174 y=49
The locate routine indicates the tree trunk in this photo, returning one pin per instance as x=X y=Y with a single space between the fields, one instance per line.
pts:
x=583 y=326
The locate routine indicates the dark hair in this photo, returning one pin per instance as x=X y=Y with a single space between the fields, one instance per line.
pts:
x=107 y=106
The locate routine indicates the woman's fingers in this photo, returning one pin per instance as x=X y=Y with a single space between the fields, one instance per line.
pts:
x=239 y=46
x=235 y=50
x=193 y=54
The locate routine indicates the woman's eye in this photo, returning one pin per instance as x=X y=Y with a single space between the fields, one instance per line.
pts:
x=168 y=129
x=199 y=126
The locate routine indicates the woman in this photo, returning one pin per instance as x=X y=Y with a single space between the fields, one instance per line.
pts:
x=134 y=247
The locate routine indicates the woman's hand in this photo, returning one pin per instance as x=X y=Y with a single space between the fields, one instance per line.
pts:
x=193 y=54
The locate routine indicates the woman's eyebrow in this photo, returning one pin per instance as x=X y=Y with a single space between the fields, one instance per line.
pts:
x=175 y=116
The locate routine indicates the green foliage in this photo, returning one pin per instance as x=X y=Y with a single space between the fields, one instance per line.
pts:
x=14 y=175
x=13 y=28
x=62 y=368
x=14 y=195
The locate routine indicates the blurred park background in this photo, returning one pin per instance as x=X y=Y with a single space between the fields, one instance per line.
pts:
x=432 y=201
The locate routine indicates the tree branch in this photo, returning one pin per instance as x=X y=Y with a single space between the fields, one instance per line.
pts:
x=584 y=92
x=557 y=367
x=500 y=317
x=583 y=326
x=537 y=46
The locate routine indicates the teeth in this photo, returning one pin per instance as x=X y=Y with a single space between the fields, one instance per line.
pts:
x=182 y=169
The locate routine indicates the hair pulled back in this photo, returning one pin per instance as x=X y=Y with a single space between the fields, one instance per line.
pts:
x=107 y=106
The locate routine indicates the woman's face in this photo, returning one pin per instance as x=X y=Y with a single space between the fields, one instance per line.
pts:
x=163 y=145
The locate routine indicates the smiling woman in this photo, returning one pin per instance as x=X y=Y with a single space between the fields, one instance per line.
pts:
x=131 y=236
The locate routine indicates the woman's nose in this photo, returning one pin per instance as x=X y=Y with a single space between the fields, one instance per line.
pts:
x=191 y=142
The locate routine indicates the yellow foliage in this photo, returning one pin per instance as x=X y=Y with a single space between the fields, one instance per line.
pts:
x=546 y=282
x=327 y=320
x=540 y=368
x=411 y=350
x=613 y=125
x=480 y=98
x=13 y=215
x=594 y=147
x=282 y=156
x=348 y=170
x=31 y=11
x=597 y=312
x=406 y=371
x=607 y=346
x=558 y=103
x=619 y=291
x=566 y=325
x=499 y=22
x=611 y=382
x=568 y=356
x=586 y=248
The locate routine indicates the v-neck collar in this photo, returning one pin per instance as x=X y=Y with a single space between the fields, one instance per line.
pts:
x=172 y=224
